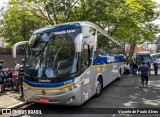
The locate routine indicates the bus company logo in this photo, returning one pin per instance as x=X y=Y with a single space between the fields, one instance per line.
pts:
x=18 y=112
x=6 y=111
x=64 y=32
x=43 y=92
x=42 y=80
x=67 y=82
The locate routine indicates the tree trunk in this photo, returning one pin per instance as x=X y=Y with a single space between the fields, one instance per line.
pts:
x=130 y=54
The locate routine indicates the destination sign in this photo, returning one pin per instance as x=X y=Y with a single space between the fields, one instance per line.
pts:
x=64 y=32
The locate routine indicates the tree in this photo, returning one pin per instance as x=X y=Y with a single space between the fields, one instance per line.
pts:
x=128 y=21
x=51 y=11
x=17 y=23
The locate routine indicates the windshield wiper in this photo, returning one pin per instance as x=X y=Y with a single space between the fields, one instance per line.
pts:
x=38 y=54
x=58 y=50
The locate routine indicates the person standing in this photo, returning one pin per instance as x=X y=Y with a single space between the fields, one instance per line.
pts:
x=16 y=70
x=145 y=71
x=17 y=65
x=1 y=77
x=155 y=67
x=135 y=66
x=21 y=77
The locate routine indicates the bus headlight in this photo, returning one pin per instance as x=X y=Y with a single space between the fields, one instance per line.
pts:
x=71 y=88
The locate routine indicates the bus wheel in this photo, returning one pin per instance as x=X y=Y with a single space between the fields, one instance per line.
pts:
x=99 y=87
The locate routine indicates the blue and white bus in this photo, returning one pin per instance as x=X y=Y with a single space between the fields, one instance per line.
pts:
x=67 y=64
x=143 y=56
x=155 y=56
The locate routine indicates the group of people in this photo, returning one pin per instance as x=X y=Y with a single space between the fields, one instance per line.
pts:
x=6 y=77
x=144 y=70
x=130 y=69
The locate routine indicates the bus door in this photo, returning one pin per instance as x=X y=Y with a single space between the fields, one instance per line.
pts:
x=87 y=72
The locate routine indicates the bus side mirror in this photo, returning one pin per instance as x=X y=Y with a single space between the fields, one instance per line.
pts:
x=14 y=48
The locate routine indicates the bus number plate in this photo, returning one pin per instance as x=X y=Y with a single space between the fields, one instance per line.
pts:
x=43 y=99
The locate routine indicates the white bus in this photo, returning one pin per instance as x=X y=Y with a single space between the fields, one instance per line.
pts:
x=67 y=64
x=143 y=56
x=155 y=56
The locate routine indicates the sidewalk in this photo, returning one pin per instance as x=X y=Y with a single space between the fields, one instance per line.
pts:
x=10 y=98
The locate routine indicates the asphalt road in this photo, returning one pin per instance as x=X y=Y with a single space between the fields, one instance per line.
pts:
x=125 y=93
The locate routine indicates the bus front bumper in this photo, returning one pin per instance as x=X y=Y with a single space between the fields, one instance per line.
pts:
x=66 y=96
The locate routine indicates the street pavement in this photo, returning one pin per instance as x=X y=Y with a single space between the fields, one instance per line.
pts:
x=124 y=93
x=9 y=98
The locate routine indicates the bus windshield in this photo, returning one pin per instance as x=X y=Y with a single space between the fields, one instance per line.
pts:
x=145 y=57
x=51 y=54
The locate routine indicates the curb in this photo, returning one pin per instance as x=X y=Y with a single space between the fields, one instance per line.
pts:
x=15 y=106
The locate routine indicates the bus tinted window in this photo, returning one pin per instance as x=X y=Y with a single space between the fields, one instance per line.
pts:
x=87 y=46
x=108 y=50
x=106 y=45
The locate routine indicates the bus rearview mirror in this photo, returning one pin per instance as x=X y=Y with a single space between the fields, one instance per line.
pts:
x=14 y=48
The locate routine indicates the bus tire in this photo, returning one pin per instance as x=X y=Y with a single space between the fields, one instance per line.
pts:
x=99 y=87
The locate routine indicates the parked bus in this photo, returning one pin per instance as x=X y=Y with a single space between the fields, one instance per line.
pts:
x=143 y=56
x=155 y=56
x=65 y=65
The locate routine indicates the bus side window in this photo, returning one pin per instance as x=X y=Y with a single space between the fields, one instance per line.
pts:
x=85 y=61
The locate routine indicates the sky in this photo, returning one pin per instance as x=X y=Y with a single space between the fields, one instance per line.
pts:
x=2 y=2
x=157 y=21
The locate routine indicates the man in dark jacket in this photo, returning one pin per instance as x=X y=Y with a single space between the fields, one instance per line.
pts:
x=145 y=71
x=1 y=77
x=155 y=67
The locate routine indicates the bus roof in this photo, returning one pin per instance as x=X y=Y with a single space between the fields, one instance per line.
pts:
x=57 y=27
x=71 y=25
x=63 y=26
x=143 y=52
x=155 y=54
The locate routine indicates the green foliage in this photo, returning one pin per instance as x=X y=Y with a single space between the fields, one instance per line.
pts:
x=17 y=23
x=158 y=48
x=128 y=21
